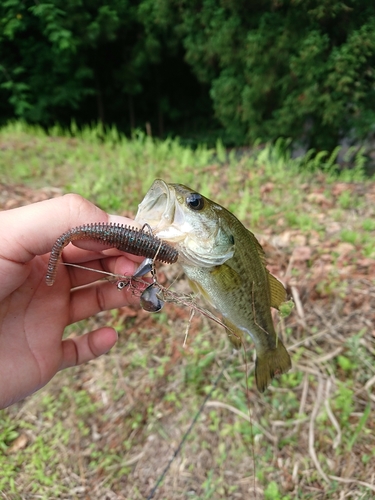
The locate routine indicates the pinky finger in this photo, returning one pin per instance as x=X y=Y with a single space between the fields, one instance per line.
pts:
x=76 y=351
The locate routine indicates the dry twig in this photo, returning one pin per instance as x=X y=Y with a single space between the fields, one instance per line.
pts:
x=314 y=414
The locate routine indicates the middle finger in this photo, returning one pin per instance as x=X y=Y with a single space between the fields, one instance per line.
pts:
x=120 y=266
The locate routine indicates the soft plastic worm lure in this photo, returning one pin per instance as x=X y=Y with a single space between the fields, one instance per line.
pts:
x=124 y=238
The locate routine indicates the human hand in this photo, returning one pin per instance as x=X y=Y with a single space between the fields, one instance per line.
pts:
x=33 y=316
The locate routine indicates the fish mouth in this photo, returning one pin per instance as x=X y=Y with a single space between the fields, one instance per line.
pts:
x=156 y=206
x=160 y=210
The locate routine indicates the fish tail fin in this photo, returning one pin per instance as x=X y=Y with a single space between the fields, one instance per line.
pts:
x=271 y=363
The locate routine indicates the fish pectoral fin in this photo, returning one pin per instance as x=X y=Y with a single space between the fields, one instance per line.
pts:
x=226 y=277
x=277 y=291
x=271 y=363
x=197 y=288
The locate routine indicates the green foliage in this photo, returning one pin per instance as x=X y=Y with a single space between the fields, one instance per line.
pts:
x=297 y=69
x=8 y=432
x=272 y=492
x=243 y=71
x=93 y=61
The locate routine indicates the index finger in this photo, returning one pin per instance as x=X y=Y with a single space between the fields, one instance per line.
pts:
x=32 y=230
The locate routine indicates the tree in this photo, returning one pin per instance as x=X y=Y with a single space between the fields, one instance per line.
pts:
x=90 y=60
x=302 y=69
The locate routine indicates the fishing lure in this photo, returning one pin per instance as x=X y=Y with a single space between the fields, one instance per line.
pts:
x=151 y=300
x=125 y=238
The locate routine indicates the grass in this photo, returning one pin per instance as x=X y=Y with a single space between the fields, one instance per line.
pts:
x=109 y=428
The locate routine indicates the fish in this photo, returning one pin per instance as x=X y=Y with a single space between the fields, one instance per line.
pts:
x=226 y=264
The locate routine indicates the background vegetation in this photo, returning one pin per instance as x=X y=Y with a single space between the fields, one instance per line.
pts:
x=201 y=69
x=217 y=73
x=108 y=429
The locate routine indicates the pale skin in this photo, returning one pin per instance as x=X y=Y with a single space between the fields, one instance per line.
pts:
x=33 y=316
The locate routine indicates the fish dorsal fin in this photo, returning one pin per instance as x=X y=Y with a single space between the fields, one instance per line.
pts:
x=258 y=248
x=277 y=291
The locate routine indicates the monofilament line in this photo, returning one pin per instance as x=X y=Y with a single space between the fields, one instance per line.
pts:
x=191 y=426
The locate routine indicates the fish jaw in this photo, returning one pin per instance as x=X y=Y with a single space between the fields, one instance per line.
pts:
x=199 y=238
x=157 y=209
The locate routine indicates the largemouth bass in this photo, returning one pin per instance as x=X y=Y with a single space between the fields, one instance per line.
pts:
x=226 y=264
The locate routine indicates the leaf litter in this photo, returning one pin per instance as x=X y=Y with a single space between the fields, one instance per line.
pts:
x=126 y=412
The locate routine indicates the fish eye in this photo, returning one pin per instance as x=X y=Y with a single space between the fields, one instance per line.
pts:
x=195 y=201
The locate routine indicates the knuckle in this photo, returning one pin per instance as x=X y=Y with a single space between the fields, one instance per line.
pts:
x=80 y=207
x=100 y=298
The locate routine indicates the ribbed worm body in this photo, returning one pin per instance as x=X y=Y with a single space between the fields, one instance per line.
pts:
x=124 y=238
